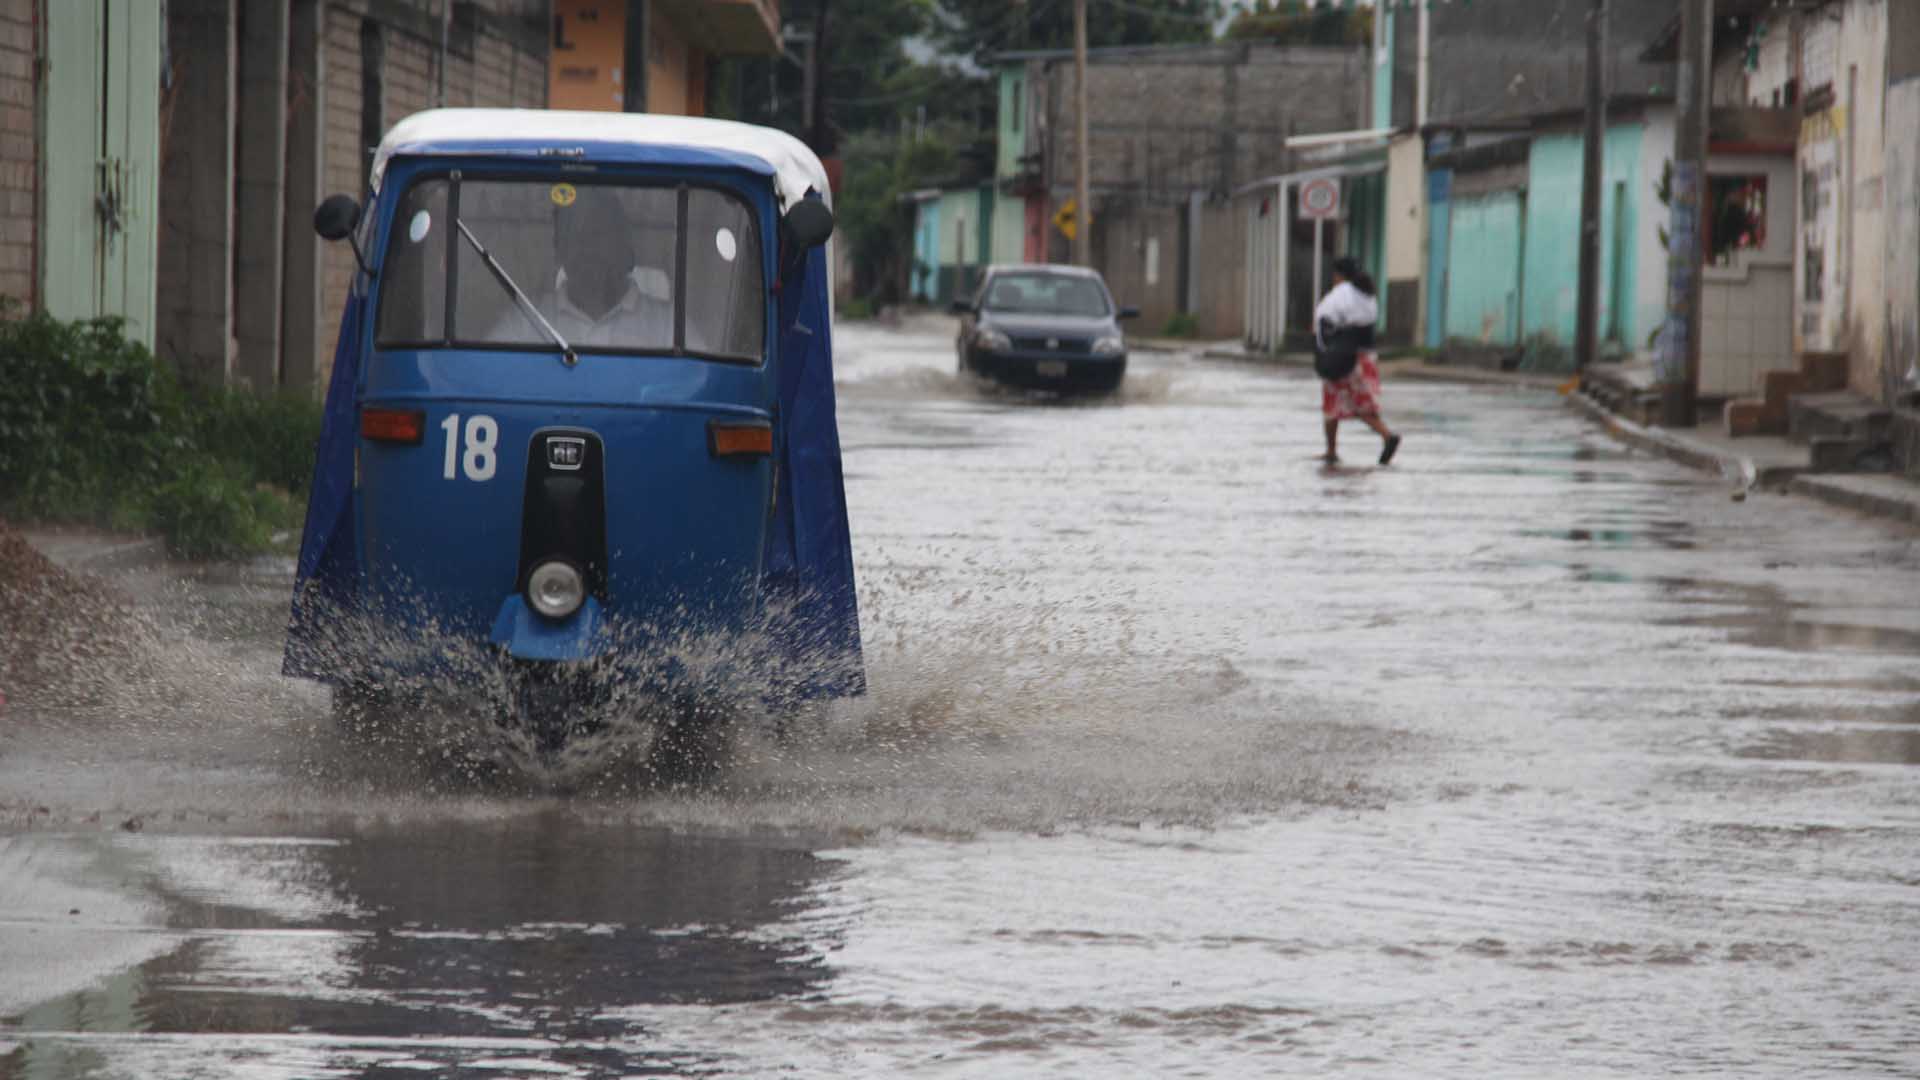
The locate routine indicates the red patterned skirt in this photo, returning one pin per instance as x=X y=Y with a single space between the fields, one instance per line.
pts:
x=1356 y=395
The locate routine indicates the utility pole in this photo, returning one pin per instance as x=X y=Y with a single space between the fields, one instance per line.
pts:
x=1679 y=359
x=1587 y=333
x=819 y=51
x=1082 y=199
x=807 y=77
x=440 y=60
x=1420 y=86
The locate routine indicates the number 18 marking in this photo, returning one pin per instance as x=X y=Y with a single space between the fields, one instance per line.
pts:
x=483 y=437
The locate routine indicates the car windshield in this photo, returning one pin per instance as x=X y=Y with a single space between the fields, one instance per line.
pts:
x=610 y=267
x=1046 y=294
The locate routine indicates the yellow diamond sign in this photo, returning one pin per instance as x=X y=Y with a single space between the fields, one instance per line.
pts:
x=1064 y=218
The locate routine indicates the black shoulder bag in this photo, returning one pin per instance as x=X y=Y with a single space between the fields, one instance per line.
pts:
x=1336 y=350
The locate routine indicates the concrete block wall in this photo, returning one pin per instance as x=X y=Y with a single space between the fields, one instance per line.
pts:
x=19 y=162
x=1167 y=122
x=498 y=71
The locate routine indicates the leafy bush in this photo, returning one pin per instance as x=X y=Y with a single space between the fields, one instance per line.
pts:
x=857 y=308
x=94 y=429
x=1181 y=324
x=206 y=511
x=83 y=414
x=276 y=435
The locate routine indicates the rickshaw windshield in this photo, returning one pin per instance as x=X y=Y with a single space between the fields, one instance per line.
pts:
x=610 y=267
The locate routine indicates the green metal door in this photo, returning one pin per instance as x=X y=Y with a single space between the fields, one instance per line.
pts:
x=102 y=160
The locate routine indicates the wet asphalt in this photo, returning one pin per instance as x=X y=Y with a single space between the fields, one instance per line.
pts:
x=1186 y=754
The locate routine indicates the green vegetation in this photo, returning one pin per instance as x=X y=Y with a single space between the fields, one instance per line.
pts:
x=1181 y=324
x=876 y=222
x=1294 y=22
x=94 y=429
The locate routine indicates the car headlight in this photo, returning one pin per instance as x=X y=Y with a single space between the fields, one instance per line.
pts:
x=992 y=340
x=1111 y=345
x=556 y=589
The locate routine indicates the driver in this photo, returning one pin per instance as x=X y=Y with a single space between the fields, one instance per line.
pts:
x=600 y=294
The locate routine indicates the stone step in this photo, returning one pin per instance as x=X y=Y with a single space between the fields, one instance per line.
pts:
x=1837 y=414
x=1746 y=417
x=1904 y=434
x=1839 y=454
x=1825 y=371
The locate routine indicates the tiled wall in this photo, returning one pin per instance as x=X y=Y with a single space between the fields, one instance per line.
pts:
x=1746 y=330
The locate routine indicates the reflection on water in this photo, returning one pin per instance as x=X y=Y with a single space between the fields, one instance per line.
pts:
x=471 y=938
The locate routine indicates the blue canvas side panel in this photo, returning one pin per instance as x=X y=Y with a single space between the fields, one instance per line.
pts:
x=809 y=564
x=329 y=566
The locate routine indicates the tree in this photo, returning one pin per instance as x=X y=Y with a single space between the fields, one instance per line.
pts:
x=1294 y=22
x=876 y=223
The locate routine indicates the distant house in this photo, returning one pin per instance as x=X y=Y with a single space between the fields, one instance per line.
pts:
x=1173 y=133
x=1491 y=64
x=1504 y=221
x=952 y=241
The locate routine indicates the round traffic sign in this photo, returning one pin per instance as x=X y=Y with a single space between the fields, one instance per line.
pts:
x=1320 y=198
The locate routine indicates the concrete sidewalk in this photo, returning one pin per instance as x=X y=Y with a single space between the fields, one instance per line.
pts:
x=1392 y=367
x=1764 y=461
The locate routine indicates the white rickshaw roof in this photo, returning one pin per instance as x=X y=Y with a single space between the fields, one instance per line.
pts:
x=637 y=137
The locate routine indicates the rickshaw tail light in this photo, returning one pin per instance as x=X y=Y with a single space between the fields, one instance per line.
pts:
x=740 y=440
x=393 y=425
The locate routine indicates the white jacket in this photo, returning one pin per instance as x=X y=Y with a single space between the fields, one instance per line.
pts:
x=1345 y=305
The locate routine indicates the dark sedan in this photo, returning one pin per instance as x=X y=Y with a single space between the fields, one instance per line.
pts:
x=1044 y=328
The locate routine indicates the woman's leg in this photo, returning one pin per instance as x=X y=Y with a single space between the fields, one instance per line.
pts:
x=1389 y=442
x=1373 y=421
x=1333 y=436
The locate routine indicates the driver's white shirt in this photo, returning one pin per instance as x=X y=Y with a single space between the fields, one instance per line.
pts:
x=638 y=320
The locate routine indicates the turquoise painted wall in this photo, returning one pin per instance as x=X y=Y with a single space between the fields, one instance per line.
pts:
x=959 y=244
x=926 y=249
x=1439 y=242
x=1551 y=303
x=1012 y=140
x=1383 y=73
x=1366 y=234
x=1484 y=268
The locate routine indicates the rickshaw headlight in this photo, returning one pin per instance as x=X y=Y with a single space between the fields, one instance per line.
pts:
x=556 y=589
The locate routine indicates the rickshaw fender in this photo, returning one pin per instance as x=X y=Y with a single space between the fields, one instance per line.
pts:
x=528 y=636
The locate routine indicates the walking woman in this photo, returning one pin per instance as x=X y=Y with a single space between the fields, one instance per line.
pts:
x=1343 y=323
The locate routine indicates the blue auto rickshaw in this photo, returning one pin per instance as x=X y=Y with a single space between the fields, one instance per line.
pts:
x=580 y=425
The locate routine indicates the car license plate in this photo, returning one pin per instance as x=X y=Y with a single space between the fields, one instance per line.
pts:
x=1051 y=369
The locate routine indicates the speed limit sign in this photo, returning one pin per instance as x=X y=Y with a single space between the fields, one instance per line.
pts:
x=1320 y=199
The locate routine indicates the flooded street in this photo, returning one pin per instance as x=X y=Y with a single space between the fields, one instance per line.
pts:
x=1185 y=755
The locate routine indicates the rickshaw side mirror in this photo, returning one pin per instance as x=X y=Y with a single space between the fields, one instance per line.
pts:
x=335 y=219
x=809 y=223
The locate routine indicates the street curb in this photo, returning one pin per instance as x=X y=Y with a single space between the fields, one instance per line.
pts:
x=1402 y=368
x=1851 y=493
x=1740 y=469
x=90 y=552
x=1901 y=503
x=1526 y=380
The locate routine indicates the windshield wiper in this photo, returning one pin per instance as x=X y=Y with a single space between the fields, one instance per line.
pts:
x=567 y=355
